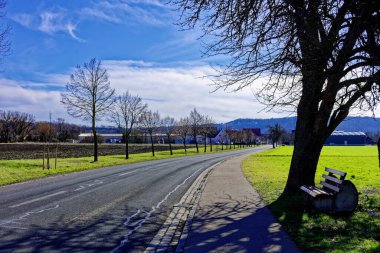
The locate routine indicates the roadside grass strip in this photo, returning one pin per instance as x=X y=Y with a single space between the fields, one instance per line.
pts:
x=13 y=171
x=313 y=231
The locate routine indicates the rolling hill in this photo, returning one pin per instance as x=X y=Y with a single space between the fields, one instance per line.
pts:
x=364 y=124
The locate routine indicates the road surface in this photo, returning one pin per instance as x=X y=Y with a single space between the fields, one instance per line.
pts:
x=113 y=209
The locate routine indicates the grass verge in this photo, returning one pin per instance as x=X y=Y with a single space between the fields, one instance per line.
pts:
x=318 y=232
x=12 y=171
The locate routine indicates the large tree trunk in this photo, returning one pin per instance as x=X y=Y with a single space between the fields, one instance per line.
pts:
x=304 y=162
x=310 y=135
x=95 y=140
x=210 y=144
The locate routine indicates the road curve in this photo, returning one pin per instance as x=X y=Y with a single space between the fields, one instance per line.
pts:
x=117 y=208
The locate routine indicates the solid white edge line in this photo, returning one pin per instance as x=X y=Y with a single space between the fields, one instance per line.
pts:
x=37 y=199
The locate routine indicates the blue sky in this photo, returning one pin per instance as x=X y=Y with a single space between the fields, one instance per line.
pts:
x=139 y=44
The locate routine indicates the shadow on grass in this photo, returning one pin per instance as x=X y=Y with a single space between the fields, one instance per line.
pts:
x=289 y=209
x=318 y=232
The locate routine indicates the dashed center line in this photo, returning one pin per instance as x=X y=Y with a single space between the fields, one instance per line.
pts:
x=37 y=199
x=126 y=173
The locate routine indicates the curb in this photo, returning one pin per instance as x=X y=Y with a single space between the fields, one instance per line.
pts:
x=173 y=234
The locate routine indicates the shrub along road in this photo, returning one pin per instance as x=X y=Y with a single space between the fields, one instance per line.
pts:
x=98 y=210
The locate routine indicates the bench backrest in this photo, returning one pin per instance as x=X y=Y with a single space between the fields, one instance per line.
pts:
x=333 y=180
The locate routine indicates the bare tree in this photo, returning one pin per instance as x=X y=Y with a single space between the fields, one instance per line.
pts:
x=320 y=57
x=150 y=121
x=126 y=113
x=22 y=125
x=6 y=126
x=195 y=122
x=207 y=129
x=230 y=136
x=15 y=126
x=65 y=130
x=275 y=134
x=183 y=129
x=89 y=95
x=44 y=131
x=61 y=128
x=169 y=124
x=223 y=137
x=251 y=138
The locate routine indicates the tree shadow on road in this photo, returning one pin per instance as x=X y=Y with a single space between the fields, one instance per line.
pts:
x=239 y=227
x=102 y=234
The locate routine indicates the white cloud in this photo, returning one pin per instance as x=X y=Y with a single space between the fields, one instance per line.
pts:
x=176 y=90
x=99 y=14
x=16 y=96
x=172 y=91
x=131 y=12
x=57 y=19
x=48 y=21
x=23 y=19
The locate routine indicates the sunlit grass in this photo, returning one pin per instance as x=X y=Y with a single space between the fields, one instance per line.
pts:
x=12 y=171
x=311 y=230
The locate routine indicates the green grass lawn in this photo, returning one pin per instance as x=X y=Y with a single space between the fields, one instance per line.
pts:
x=318 y=232
x=12 y=171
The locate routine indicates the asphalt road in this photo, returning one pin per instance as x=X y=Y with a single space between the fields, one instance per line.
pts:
x=115 y=209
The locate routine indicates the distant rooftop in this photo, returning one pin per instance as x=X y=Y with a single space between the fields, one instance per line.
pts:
x=343 y=133
x=103 y=134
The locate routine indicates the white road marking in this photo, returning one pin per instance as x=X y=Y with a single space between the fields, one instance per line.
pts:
x=7 y=223
x=140 y=222
x=37 y=199
x=130 y=217
x=96 y=182
x=81 y=187
x=126 y=173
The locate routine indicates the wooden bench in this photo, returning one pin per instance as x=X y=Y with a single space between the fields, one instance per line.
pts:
x=336 y=193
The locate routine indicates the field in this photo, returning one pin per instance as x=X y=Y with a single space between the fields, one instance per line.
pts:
x=311 y=230
x=12 y=171
x=15 y=151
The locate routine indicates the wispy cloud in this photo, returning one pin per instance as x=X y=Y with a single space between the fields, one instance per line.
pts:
x=128 y=12
x=23 y=19
x=53 y=22
x=58 y=19
x=48 y=21
x=99 y=14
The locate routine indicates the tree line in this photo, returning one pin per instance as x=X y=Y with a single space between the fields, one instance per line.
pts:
x=18 y=126
x=90 y=97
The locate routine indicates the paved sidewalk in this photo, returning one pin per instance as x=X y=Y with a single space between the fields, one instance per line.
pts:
x=231 y=217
